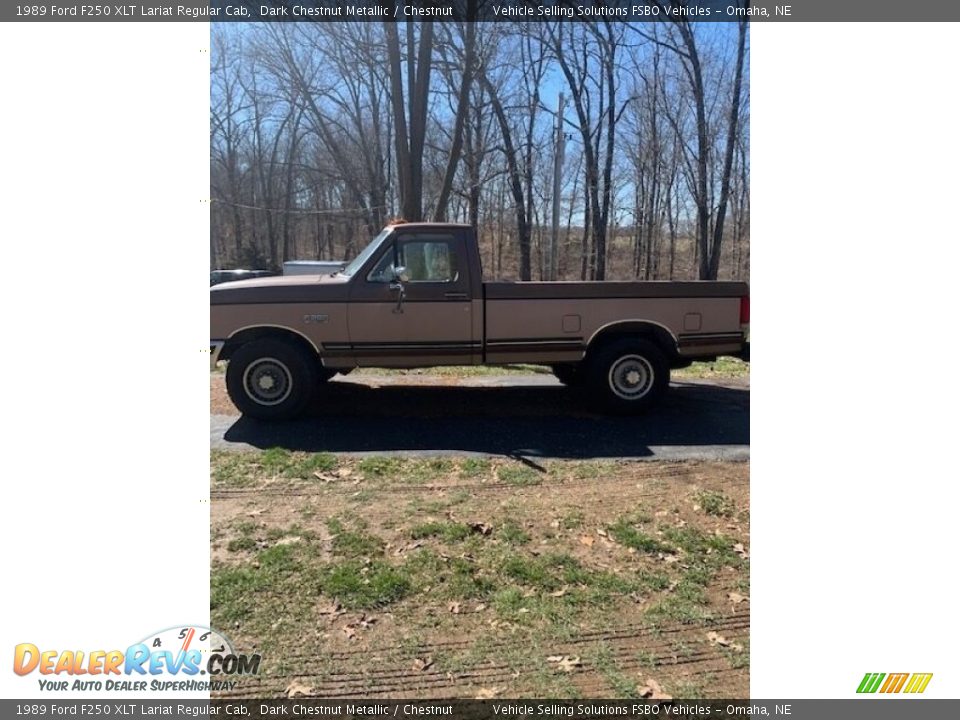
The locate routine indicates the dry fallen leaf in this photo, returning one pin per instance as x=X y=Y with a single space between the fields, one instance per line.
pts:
x=406 y=548
x=741 y=551
x=717 y=639
x=481 y=527
x=565 y=663
x=422 y=664
x=736 y=598
x=330 y=609
x=298 y=688
x=559 y=593
x=586 y=540
x=720 y=640
x=652 y=691
x=488 y=693
x=454 y=607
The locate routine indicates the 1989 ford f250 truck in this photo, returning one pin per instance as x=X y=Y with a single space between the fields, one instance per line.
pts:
x=415 y=297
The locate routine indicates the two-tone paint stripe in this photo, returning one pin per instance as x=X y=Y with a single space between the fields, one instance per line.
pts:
x=534 y=345
x=703 y=339
x=401 y=348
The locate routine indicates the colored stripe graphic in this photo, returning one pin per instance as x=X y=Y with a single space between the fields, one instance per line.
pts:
x=918 y=683
x=895 y=682
x=870 y=682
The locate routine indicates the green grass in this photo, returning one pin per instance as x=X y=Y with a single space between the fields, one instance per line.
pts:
x=235 y=591
x=715 y=503
x=232 y=469
x=687 y=689
x=518 y=475
x=230 y=592
x=474 y=467
x=572 y=520
x=592 y=470
x=696 y=542
x=602 y=657
x=722 y=367
x=241 y=544
x=244 y=527
x=512 y=534
x=353 y=544
x=738 y=658
x=359 y=586
x=680 y=610
x=449 y=532
x=278 y=462
x=380 y=466
x=624 y=532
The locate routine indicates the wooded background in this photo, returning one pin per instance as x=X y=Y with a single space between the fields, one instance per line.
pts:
x=323 y=132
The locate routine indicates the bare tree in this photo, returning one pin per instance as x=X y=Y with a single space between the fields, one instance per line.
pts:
x=322 y=131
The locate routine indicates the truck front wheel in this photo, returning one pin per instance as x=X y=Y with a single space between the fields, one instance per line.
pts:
x=271 y=380
x=628 y=376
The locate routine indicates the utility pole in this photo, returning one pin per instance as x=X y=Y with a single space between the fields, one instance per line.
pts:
x=557 y=170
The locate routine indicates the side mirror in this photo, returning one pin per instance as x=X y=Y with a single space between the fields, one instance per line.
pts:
x=399 y=275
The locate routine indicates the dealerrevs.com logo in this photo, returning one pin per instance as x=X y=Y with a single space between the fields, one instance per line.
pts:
x=182 y=659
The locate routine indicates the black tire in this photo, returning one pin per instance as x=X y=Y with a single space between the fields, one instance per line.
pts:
x=570 y=374
x=627 y=376
x=271 y=379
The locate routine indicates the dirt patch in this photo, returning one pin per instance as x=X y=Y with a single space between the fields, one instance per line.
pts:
x=466 y=577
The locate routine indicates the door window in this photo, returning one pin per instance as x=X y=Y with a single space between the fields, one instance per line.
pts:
x=429 y=261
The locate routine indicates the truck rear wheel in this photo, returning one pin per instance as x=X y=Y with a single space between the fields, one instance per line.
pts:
x=271 y=379
x=628 y=376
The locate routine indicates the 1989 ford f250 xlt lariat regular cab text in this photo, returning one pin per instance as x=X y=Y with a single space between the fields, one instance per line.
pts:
x=415 y=297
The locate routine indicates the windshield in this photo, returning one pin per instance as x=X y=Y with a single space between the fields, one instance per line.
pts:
x=362 y=258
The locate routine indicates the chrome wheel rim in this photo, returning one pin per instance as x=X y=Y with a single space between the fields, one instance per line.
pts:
x=631 y=377
x=267 y=381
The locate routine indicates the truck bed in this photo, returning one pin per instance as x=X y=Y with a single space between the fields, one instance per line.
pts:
x=698 y=317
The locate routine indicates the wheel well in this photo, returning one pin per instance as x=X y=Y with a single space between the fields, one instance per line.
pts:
x=263 y=333
x=657 y=334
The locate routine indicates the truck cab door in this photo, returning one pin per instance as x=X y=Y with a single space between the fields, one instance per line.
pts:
x=425 y=318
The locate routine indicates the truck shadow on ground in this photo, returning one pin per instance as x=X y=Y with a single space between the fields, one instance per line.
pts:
x=516 y=421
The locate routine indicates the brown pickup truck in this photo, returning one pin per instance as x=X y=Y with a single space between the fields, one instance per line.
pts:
x=415 y=297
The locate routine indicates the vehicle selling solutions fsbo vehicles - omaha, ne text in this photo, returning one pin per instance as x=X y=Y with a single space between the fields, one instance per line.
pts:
x=415 y=297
